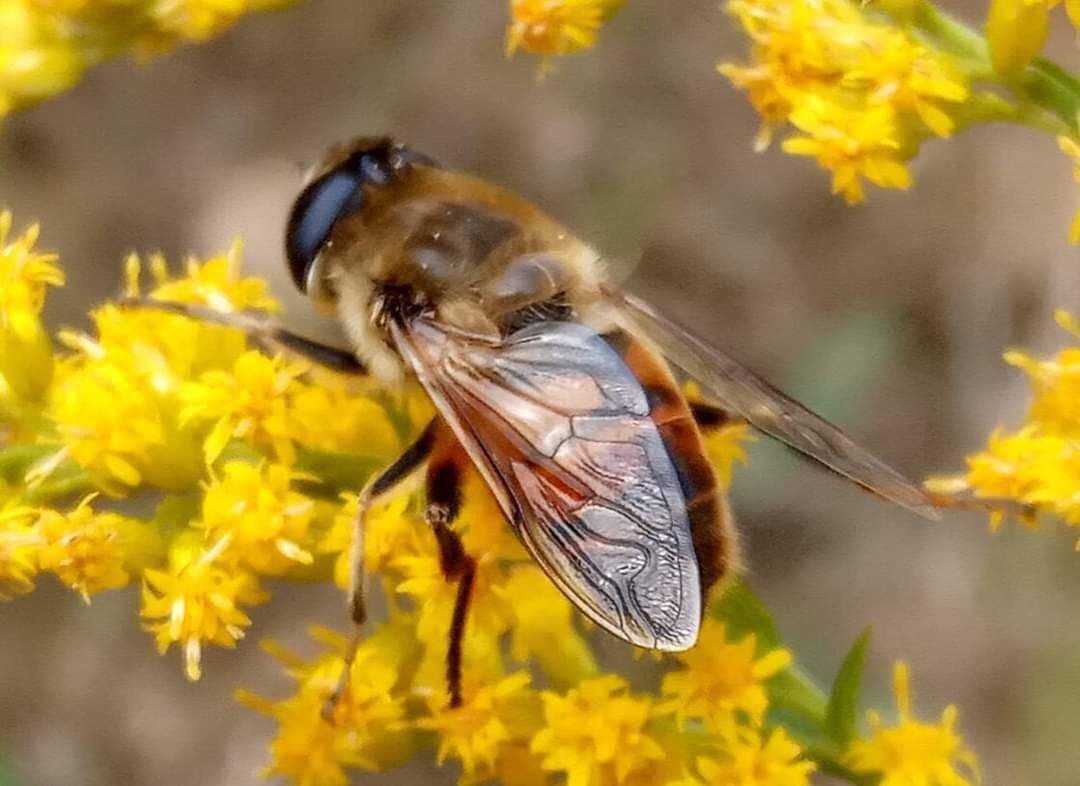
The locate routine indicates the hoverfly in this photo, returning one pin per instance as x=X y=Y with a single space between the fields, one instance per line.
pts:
x=556 y=386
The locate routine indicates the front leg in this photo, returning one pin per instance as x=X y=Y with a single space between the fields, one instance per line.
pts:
x=264 y=331
x=387 y=480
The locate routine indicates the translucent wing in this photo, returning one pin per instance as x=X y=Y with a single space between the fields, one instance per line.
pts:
x=559 y=427
x=739 y=390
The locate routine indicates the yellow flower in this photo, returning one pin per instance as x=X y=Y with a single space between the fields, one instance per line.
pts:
x=89 y=551
x=1055 y=387
x=215 y=283
x=596 y=733
x=720 y=677
x=24 y=275
x=423 y=580
x=1071 y=148
x=249 y=403
x=26 y=360
x=913 y=753
x=19 y=546
x=543 y=627
x=391 y=532
x=45 y=45
x=724 y=443
x=1038 y=465
x=898 y=72
x=753 y=759
x=862 y=92
x=110 y=422
x=197 y=601
x=490 y=719
x=328 y=418
x=258 y=515
x=556 y=27
x=1016 y=31
x=852 y=144
x=483 y=527
x=368 y=729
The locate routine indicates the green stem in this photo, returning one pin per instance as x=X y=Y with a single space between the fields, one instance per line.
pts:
x=17 y=459
x=1047 y=96
x=79 y=483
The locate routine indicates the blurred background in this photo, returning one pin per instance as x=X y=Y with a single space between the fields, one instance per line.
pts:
x=889 y=318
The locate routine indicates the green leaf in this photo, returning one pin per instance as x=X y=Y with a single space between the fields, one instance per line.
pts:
x=743 y=612
x=336 y=472
x=842 y=711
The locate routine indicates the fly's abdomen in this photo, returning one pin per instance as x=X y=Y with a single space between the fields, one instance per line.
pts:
x=711 y=524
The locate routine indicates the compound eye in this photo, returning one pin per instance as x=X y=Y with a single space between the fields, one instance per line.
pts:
x=313 y=216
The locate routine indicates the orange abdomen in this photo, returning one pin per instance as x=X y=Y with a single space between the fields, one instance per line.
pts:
x=711 y=523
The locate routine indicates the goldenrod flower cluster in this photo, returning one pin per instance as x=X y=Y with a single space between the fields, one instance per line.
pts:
x=46 y=45
x=859 y=87
x=254 y=465
x=556 y=27
x=1037 y=464
x=859 y=94
x=914 y=753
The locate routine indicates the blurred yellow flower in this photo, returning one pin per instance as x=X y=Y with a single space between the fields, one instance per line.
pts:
x=753 y=758
x=46 y=45
x=24 y=275
x=913 y=753
x=90 y=551
x=1037 y=465
x=543 y=627
x=897 y=72
x=719 y=677
x=197 y=601
x=852 y=144
x=19 y=546
x=556 y=27
x=1016 y=31
x=596 y=734
x=26 y=362
x=259 y=517
x=1071 y=148
x=215 y=283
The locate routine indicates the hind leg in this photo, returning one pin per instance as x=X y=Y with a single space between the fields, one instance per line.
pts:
x=445 y=473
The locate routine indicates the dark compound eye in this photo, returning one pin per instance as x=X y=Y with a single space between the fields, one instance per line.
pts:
x=313 y=216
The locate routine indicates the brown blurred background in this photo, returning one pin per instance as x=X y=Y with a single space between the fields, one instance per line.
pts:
x=889 y=318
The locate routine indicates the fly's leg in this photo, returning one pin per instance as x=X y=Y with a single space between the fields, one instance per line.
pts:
x=444 y=482
x=415 y=455
x=264 y=331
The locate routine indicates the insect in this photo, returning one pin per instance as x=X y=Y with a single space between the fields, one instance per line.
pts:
x=559 y=388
